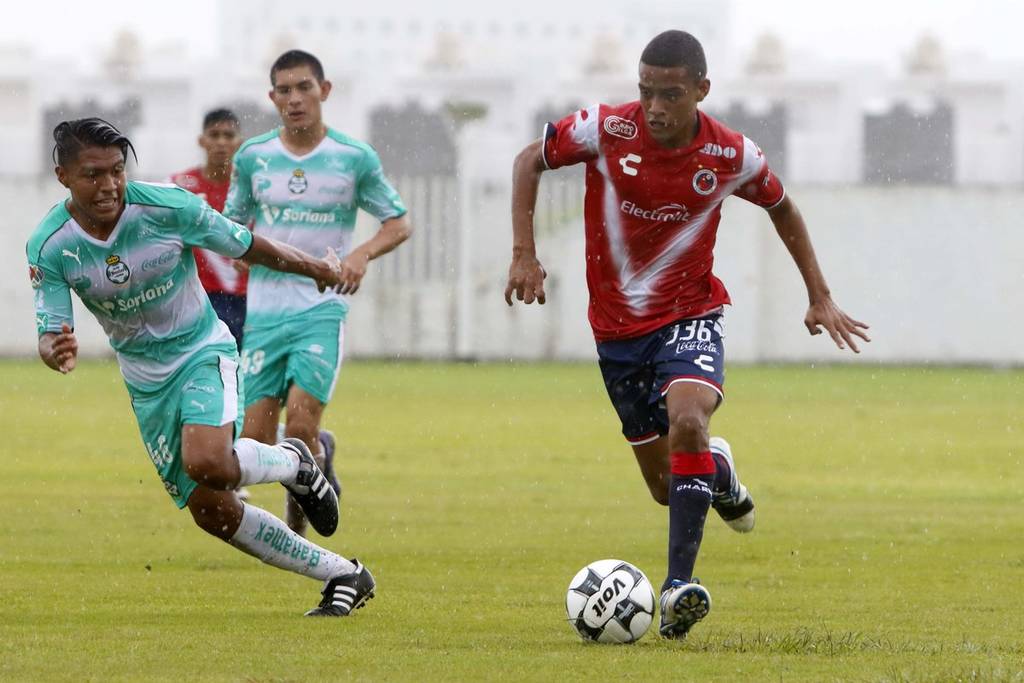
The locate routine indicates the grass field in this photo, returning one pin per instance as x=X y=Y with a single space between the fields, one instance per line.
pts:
x=889 y=543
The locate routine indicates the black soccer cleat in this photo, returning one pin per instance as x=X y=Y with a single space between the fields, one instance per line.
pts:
x=345 y=593
x=327 y=441
x=312 y=491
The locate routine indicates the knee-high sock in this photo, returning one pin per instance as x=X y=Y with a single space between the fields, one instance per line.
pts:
x=261 y=463
x=266 y=537
x=688 y=502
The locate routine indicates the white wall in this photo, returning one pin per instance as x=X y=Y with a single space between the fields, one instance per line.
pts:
x=938 y=273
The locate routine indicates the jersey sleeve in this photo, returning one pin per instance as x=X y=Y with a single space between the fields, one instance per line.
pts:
x=758 y=185
x=573 y=139
x=375 y=195
x=239 y=205
x=208 y=229
x=52 y=297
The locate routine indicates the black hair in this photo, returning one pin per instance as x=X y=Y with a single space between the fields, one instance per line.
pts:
x=70 y=137
x=220 y=115
x=294 y=58
x=676 y=48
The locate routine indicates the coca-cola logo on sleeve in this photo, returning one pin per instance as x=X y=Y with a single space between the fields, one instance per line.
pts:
x=620 y=127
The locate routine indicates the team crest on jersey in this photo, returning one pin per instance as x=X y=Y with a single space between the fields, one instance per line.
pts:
x=35 y=276
x=117 y=270
x=297 y=184
x=705 y=181
x=620 y=127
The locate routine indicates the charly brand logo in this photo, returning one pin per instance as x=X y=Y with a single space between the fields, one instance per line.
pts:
x=715 y=150
x=117 y=270
x=298 y=184
x=620 y=127
x=35 y=276
x=705 y=181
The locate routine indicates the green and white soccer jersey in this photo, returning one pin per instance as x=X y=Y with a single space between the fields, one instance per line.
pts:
x=178 y=360
x=309 y=202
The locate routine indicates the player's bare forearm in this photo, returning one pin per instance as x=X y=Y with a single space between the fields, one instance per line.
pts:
x=790 y=226
x=353 y=267
x=286 y=258
x=525 y=274
x=822 y=312
x=526 y=172
x=392 y=233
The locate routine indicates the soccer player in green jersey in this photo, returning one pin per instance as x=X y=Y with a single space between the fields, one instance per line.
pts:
x=125 y=248
x=302 y=184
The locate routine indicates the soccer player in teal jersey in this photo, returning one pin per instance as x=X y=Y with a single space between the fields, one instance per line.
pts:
x=302 y=184
x=125 y=248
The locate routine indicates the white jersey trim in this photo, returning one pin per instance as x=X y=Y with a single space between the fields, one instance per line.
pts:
x=229 y=378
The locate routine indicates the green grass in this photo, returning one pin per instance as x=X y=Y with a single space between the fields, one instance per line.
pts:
x=889 y=544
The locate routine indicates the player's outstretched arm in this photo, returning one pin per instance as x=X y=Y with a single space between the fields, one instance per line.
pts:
x=59 y=351
x=279 y=256
x=392 y=232
x=822 y=312
x=525 y=274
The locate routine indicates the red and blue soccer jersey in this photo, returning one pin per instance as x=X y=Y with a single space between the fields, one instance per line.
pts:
x=216 y=272
x=652 y=213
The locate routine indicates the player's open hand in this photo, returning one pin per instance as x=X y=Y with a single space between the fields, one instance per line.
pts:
x=841 y=327
x=526 y=278
x=353 y=268
x=64 y=350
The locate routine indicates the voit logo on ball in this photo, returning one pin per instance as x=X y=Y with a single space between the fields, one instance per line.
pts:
x=117 y=270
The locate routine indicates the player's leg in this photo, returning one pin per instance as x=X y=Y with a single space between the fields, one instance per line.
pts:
x=254 y=531
x=312 y=372
x=209 y=415
x=303 y=422
x=653 y=459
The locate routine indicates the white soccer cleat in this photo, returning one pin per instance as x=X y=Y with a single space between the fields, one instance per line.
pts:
x=734 y=505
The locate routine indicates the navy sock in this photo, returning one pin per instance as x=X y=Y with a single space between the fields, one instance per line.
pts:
x=688 y=501
x=723 y=473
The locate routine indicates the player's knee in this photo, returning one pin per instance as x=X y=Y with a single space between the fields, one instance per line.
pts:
x=688 y=429
x=302 y=427
x=213 y=471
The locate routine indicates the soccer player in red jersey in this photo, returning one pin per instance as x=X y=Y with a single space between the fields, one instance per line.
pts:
x=657 y=172
x=223 y=281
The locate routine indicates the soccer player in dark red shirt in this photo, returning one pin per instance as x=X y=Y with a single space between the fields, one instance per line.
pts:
x=223 y=281
x=657 y=172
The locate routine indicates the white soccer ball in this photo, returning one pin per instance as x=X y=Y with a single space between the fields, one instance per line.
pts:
x=610 y=601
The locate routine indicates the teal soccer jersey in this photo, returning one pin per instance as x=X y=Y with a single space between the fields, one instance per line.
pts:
x=141 y=282
x=309 y=202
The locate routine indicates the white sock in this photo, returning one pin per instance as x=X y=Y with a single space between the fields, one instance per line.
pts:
x=264 y=536
x=261 y=463
x=280 y=432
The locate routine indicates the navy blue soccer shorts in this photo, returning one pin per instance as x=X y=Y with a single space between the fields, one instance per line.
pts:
x=638 y=372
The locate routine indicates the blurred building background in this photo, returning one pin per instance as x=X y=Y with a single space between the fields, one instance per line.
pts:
x=910 y=173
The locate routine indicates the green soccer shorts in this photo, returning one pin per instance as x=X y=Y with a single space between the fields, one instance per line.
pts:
x=305 y=350
x=205 y=391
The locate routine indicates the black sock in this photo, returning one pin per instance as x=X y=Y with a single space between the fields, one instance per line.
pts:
x=688 y=501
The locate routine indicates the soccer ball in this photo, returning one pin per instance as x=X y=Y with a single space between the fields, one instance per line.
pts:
x=610 y=601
